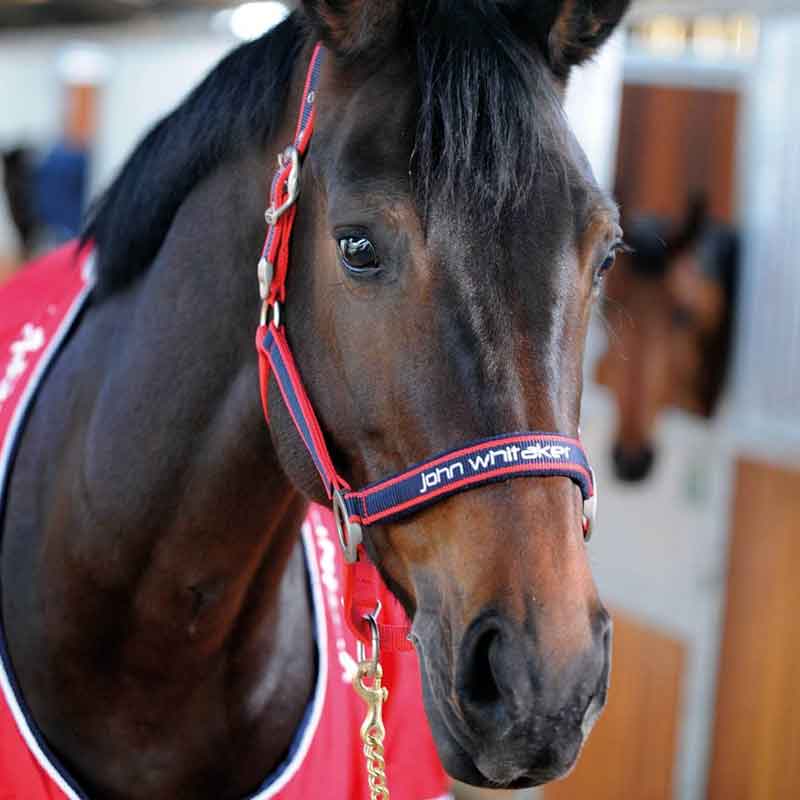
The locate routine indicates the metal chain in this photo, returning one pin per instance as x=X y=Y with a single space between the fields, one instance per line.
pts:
x=373 y=731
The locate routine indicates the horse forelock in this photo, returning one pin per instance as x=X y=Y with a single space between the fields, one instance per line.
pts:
x=490 y=118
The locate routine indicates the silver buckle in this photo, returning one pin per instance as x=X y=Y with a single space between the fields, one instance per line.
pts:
x=354 y=534
x=276 y=313
x=289 y=155
x=265 y=274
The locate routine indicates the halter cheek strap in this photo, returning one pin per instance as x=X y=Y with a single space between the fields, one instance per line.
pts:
x=470 y=466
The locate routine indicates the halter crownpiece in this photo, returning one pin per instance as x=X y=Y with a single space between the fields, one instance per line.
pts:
x=470 y=466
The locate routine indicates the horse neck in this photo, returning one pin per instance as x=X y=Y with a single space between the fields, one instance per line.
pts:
x=179 y=461
x=183 y=393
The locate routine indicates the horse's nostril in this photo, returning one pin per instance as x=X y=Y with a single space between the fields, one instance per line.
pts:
x=480 y=688
x=492 y=676
x=603 y=626
x=606 y=631
x=633 y=465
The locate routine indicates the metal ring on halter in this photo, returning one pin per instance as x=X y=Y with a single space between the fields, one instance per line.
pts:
x=590 y=510
x=276 y=313
x=289 y=155
x=354 y=535
x=375 y=635
x=266 y=272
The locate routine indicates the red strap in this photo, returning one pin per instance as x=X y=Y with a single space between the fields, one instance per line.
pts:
x=263 y=372
x=363 y=588
x=276 y=246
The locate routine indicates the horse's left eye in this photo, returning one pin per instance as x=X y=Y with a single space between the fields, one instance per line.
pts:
x=358 y=254
x=607 y=264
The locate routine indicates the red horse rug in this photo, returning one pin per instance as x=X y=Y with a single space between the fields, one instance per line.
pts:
x=39 y=308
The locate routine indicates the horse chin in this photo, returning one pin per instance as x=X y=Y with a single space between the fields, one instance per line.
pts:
x=467 y=757
x=488 y=772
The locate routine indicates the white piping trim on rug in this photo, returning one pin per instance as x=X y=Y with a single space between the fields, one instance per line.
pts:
x=5 y=459
x=290 y=770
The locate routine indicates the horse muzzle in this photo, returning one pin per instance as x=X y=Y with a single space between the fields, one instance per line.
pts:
x=508 y=718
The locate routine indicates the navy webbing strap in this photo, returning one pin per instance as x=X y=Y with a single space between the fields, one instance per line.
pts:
x=489 y=460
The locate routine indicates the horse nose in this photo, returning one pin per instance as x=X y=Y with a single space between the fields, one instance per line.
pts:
x=504 y=684
x=633 y=465
x=494 y=684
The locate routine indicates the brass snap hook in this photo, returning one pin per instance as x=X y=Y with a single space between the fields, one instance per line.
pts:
x=374 y=695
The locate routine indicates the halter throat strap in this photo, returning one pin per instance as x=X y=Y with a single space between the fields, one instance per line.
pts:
x=499 y=458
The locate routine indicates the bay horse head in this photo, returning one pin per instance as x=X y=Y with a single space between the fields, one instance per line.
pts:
x=670 y=307
x=448 y=248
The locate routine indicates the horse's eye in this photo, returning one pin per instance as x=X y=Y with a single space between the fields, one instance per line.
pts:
x=617 y=247
x=607 y=264
x=358 y=254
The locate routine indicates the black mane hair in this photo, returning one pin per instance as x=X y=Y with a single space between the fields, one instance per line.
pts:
x=490 y=111
x=238 y=104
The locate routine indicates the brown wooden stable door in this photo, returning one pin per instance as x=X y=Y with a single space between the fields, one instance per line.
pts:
x=674 y=142
x=757 y=731
x=631 y=753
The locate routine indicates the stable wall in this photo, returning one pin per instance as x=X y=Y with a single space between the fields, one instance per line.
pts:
x=152 y=66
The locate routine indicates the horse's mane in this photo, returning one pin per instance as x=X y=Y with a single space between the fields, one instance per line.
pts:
x=238 y=104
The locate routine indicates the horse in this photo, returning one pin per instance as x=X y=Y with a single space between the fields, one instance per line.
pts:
x=18 y=180
x=670 y=307
x=449 y=245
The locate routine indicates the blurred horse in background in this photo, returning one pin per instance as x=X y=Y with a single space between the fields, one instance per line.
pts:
x=18 y=177
x=46 y=196
x=670 y=309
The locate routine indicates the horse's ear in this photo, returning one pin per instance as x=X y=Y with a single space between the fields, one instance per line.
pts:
x=691 y=227
x=353 y=28
x=570 y=32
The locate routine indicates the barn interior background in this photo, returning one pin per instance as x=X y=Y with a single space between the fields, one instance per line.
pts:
x=699 y=559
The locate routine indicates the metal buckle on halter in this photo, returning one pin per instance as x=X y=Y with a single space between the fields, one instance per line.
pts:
x=265 y=274
x=288 y=156
x=590 y=510
x=276 y=313
x=266 y=271
x=354 y=534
